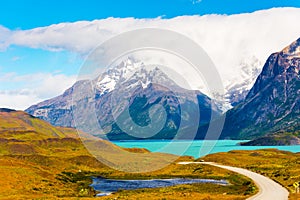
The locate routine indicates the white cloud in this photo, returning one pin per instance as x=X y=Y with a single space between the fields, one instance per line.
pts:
x=16 y=101
x=227 y=39
x=196 y=1
x=34 y=88
x=5 y=34
x=216 y=33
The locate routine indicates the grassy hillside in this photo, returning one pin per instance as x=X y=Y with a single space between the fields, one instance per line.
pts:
x=40 y=161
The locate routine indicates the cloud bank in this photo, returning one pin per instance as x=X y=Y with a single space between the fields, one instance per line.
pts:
x=34 y=88
x=227 y=39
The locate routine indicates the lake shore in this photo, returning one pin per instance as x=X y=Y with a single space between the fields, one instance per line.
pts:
x=197 y=148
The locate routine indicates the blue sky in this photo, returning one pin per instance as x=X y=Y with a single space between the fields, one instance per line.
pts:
x=27 y=56
x=35 y=13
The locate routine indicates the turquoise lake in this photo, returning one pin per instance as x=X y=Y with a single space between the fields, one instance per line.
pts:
x=197 y=148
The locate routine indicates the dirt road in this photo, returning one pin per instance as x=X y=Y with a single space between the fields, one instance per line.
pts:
x=268 y=189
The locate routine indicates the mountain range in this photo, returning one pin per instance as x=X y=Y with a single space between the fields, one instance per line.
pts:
x=271 y=106
x=143 y=87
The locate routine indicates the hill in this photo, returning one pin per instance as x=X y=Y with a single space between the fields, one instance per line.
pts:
x=39 y=161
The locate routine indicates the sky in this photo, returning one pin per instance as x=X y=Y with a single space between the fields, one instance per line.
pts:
x=44 y=43
x=21 y=14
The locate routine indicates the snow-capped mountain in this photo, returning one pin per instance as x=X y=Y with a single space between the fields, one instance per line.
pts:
x=107 y=81
x=132 y=79
x=235 y=87
x=273 y=103
x=142 y=87
x=132 y=73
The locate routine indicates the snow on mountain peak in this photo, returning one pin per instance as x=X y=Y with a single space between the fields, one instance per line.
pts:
x=134 y=70
x=107 y=81
x=236 y=87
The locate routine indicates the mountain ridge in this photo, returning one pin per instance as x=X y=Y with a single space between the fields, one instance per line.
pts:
x=273 y=103
x=145 y=87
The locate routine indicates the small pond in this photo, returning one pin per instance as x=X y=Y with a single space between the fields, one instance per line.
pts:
x=107 y=186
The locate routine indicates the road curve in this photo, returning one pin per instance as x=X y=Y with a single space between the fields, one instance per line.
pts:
x=268 y=189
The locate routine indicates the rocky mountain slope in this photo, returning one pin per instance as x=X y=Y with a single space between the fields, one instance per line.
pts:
x=143 y=87
x=273 y=103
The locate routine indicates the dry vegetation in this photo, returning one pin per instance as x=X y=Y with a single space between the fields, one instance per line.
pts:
x=39 y=161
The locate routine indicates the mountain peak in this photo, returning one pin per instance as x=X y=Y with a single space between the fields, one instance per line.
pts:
x=129 y=73
x=273 y=103
x=107 y=81
x=293 y=49
x=142 y=86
